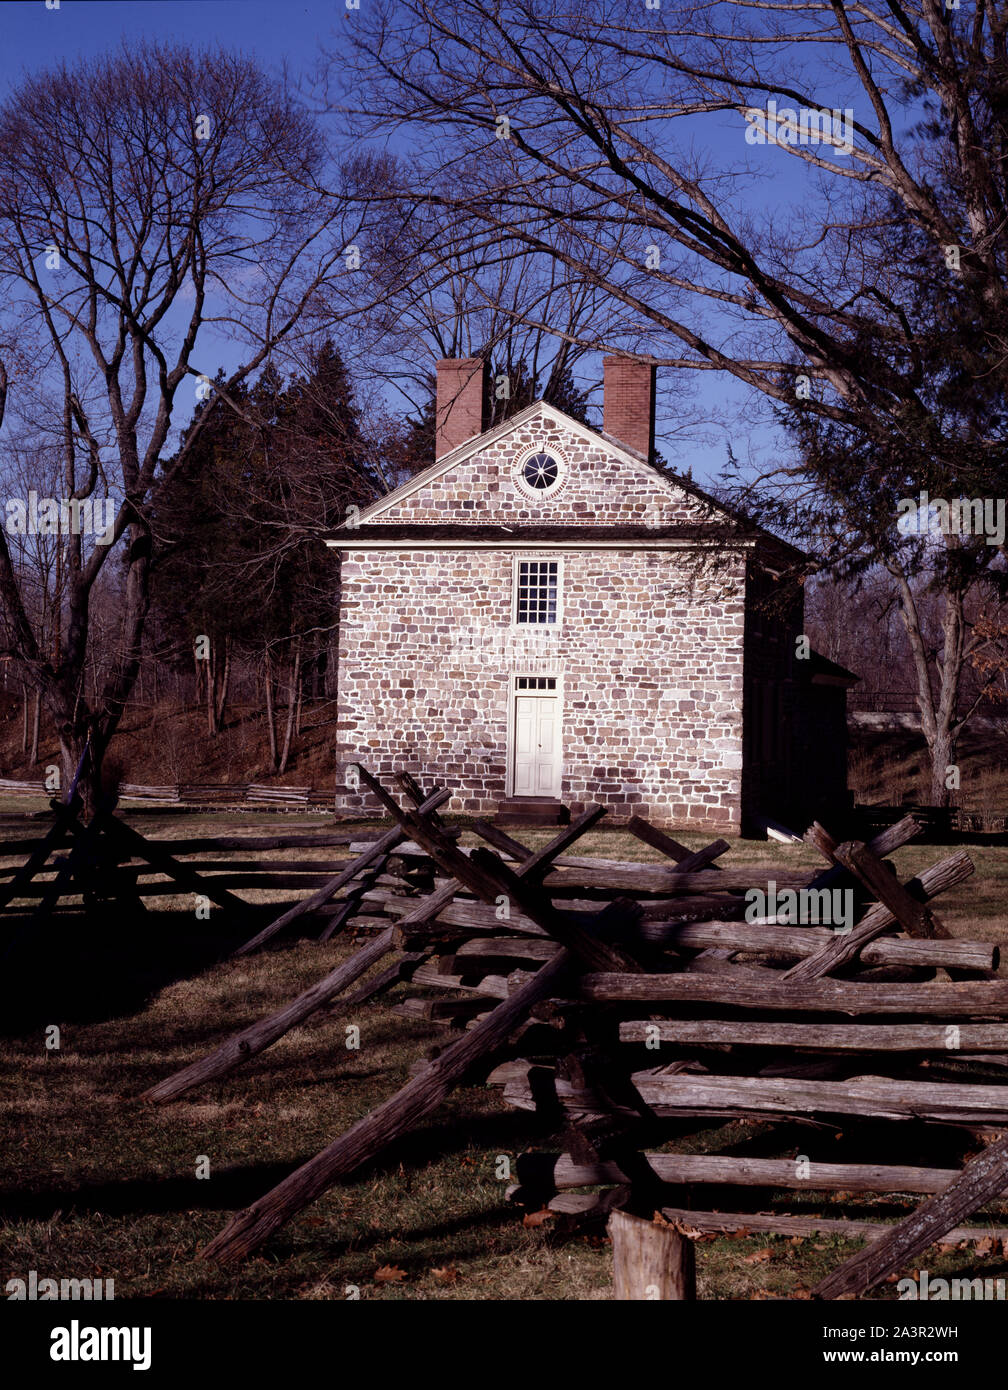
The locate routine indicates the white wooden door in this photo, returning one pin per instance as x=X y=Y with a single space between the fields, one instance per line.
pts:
x=537 y=745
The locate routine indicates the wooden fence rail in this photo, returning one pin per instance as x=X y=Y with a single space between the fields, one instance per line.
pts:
x=195 y=793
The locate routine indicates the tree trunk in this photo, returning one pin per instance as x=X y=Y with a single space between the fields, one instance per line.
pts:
x=72 y=744
x=36 y=722
x=211 y=691
x=297 y=708
x=942 y=750
x=270 y=719
x=222 y=693
x=938 y=718
x=292 y=702
x=24 y=719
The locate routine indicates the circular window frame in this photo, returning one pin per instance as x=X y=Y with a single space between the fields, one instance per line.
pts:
x=525 y=488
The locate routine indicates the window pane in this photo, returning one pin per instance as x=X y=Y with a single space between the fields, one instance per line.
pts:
x=537 y=591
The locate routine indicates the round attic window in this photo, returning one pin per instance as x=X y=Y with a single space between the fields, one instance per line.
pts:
x=539 y=473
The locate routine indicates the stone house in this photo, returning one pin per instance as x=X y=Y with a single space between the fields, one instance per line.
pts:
x=544 y=617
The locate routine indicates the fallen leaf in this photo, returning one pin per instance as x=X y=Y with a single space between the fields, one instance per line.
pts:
x=758 y=1257
x=987 y=1246
x=448 y=1275
x=389 y=1274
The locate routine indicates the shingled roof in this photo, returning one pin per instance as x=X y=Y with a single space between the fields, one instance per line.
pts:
x=436 y=533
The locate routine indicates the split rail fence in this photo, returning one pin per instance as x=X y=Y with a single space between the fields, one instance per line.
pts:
x=617 y=999
x=197 y=794
x=623 y=1000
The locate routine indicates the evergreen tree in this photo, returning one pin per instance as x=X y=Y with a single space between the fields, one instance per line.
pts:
x=238 y=531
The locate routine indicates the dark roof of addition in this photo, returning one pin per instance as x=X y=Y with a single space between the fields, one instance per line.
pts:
x=821 y=671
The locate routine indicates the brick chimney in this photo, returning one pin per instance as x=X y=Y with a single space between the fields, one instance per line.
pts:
x=628 y=410
x=460 y=401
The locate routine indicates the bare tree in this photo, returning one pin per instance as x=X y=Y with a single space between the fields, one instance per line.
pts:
x=153 y=205
x=580 y=126
x=463 y=289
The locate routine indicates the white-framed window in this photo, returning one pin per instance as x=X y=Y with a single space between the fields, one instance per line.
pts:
x=536 y=589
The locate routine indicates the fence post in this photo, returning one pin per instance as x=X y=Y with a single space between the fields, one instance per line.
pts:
x=651 y=1260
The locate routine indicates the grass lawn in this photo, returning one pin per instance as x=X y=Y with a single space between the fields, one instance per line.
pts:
x=93 y=1184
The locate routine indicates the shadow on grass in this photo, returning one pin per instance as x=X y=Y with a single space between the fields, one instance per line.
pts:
x=91 y=967
x=466 y=1233
x=236 y=1186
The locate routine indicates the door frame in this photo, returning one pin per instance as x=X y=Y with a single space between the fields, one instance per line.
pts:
x=512 y=695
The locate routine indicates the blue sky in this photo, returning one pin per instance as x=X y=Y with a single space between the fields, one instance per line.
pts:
x=32 y=37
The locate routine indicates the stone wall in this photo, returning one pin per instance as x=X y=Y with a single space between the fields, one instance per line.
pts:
x=651 y=682
x=598 y=488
